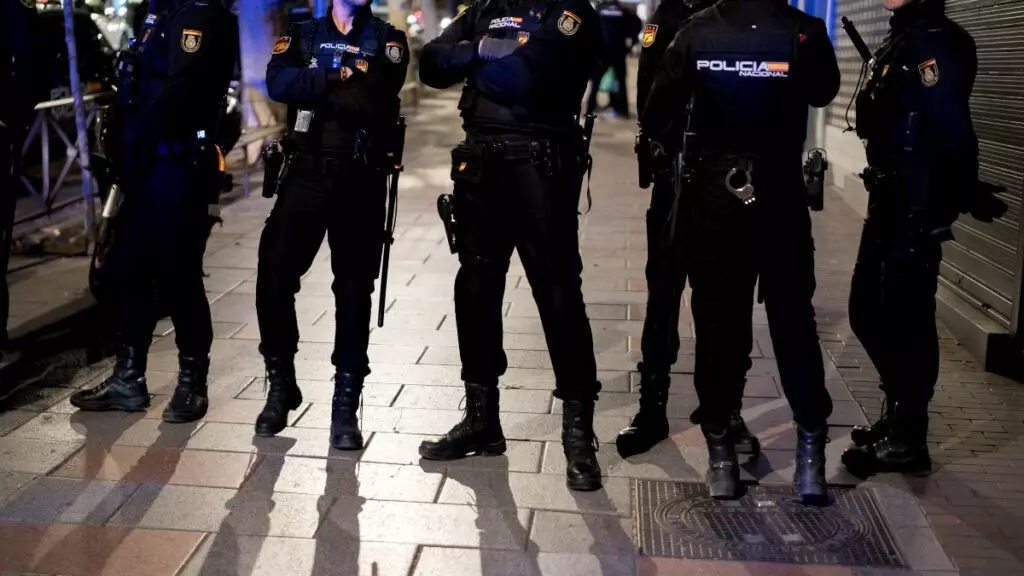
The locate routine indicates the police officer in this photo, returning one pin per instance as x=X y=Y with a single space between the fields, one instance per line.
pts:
x=340 y=76
x=922 y=173
x=169 y=106
x=517 y=184
x=20 y=91
x=617 y=29
x=746 y=218
x=666 y=269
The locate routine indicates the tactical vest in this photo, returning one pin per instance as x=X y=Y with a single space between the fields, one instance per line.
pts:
x=367 y=50
x=498 y=19
x=746 y=90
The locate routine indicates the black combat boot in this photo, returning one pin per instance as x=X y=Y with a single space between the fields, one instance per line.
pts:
x=189 y=402
x=903 y=450
x=809 y=479
x=864 y=436
x=582 y=472
x=723 y=477
x=743 y=439
x=345 y=432
x=124 y=390
x=283 y=395
x=650 y=425
x=478 y=433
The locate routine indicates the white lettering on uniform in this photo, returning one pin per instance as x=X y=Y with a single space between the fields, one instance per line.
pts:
x=747 y=68
x=505 y=22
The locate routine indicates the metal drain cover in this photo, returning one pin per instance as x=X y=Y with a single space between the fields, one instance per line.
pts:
x=680 y=520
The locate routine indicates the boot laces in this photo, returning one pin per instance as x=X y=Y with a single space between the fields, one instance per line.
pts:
x=581 y=442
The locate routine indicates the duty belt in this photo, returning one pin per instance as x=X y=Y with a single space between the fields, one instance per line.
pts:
x=326 y=165
x=514 y=147
x=738 y=174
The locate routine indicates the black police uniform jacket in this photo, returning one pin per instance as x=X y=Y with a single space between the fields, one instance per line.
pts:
x=914 y=114
x=540 y=85
x=183 y=64
x=21 y=80
x=301 y=73
x=657 y=34
x=754 y=66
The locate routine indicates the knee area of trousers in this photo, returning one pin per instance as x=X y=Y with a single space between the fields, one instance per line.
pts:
x=351 y=288
x=476 y=270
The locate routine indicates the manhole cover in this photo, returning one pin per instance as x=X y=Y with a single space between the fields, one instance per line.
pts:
x=680 y=520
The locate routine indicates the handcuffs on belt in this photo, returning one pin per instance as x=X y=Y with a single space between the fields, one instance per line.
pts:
x=745 y=192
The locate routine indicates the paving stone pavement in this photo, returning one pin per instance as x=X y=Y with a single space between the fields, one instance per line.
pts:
x=111 y=493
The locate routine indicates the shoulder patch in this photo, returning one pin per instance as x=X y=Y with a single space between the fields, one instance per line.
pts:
x=191 y=40
x=394 y=52
x=282 y=45
x=362 y=65
x=929 y=71
x=523 y=38
x=569 y=23
x=650 y=33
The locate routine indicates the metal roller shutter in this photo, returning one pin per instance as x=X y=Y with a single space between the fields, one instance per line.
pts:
x=983 y=265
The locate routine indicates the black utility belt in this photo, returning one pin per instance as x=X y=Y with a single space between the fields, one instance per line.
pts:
x=323 y=164
x=469 y=159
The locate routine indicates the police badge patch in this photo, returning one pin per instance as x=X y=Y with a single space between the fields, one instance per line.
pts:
x=523 y=38
x=650 y=33
x=569 y=23
x=362 y=65
x=191 y=40
x=282 y=45
x=929 y=71
x=394 y=52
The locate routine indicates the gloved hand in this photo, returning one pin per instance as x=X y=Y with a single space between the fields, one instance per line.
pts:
x=985 y=205
x=491 y=49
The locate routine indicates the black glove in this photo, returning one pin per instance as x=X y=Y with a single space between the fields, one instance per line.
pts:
x=495 y=48
x=985 y=205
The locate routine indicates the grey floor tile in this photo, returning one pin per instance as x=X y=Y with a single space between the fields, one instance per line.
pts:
x=581 y=534
x=60 y=500
x=229 y=554
x=217 y=509
x=14 y=418
x=921 y=549
x=11 y=482
x=369 y=480
x=471 y=562
x=535 y=491
x=21 y=455
x=430 y=524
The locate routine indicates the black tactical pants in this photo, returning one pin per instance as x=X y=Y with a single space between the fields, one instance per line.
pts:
x=892 y=311
x=518 y=205
x=666 y=280
x=161 y=230
x=9 y=188
x=733 y=249
x=619 y=99
x=345 y=200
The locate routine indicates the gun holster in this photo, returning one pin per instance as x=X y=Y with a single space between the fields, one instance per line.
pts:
x=446 y=210
x=274 y=162
x=814 y=174
x=644 y=160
